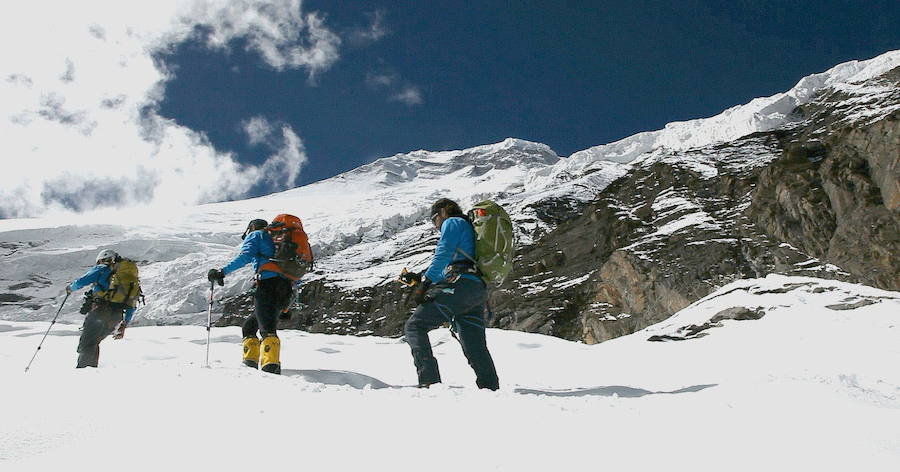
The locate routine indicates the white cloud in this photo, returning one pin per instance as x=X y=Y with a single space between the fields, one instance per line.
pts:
x=277 y=30
x=391 y=82
x=79 y=89
x=258 y=129
x=283 y=168
x=382 y=79
x=375 y=31
x=410 y=95
x=288 y=157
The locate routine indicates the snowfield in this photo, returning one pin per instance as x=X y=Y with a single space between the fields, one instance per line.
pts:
x=810 y=384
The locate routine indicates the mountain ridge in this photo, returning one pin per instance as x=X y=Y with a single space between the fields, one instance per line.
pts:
x=369 y=223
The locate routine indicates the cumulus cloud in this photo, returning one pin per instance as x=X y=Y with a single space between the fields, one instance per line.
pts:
x=277 y=30
x=410 y=95
x=79 y=90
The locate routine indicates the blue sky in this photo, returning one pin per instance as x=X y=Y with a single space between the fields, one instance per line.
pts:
x=163 y=104
x=568 y=74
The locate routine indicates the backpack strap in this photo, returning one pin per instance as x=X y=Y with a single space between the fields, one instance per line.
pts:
x=128 y=296
x=467 y=266
x=467 y=255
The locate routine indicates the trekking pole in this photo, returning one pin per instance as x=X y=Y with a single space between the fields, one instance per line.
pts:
x=48 y=332
x=212 y=286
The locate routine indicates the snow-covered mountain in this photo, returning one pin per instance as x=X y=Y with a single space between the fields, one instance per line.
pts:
x=578 y=232
x=761 y=114
x=355 y=220
x=819 y=195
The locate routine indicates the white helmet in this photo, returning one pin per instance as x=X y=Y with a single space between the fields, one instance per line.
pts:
x=107 y=256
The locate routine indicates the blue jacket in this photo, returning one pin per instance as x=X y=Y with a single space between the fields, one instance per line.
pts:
x=99 y=276
x=457 y=235
x=257 y=248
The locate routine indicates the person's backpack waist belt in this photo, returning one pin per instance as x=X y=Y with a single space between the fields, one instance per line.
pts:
x=461 y=268
x=102 y=302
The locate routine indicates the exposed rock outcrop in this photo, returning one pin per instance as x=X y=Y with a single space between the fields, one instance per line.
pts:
x=819 y=198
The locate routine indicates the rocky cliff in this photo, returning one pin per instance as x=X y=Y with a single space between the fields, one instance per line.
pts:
x=818 y=197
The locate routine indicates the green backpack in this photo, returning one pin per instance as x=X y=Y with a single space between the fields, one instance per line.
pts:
x=494 y=241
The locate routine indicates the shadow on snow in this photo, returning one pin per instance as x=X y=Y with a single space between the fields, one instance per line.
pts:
x=612 y=390
x=7 y=328
x=361 y=381
x=337 y=377
x=343 y=377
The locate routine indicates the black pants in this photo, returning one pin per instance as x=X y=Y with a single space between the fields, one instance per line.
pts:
x=462 y=305
x=98 y=324
x=272 y=296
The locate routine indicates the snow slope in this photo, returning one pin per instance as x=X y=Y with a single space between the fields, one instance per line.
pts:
x=356 y=222
x=811 y=385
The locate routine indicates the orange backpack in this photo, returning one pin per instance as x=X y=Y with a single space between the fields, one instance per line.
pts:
x=293 y=255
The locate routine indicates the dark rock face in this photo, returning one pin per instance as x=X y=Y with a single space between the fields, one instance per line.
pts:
x=816 y=199
x=661 y=237
x=835 y=193
x=821 y=198
x=327 y=309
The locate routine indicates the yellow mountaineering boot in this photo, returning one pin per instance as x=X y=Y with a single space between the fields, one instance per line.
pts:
x=271 y=351
x=251 y=352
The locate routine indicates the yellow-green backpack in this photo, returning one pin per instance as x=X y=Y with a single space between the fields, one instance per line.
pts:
x=124 y=284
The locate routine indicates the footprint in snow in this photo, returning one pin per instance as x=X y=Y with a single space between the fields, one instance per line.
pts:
x=219 y=339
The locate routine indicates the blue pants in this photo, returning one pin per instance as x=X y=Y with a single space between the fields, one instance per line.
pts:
x=462 y=305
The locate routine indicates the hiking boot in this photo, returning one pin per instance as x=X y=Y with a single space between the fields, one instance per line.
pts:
x=251 y=352
x=271 y=353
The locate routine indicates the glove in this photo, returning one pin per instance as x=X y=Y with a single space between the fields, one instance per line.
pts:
x=119 y=333
x=419 y=295
x=410 y=279
x=217 y=276
x=68 y=289
x=88 y=303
